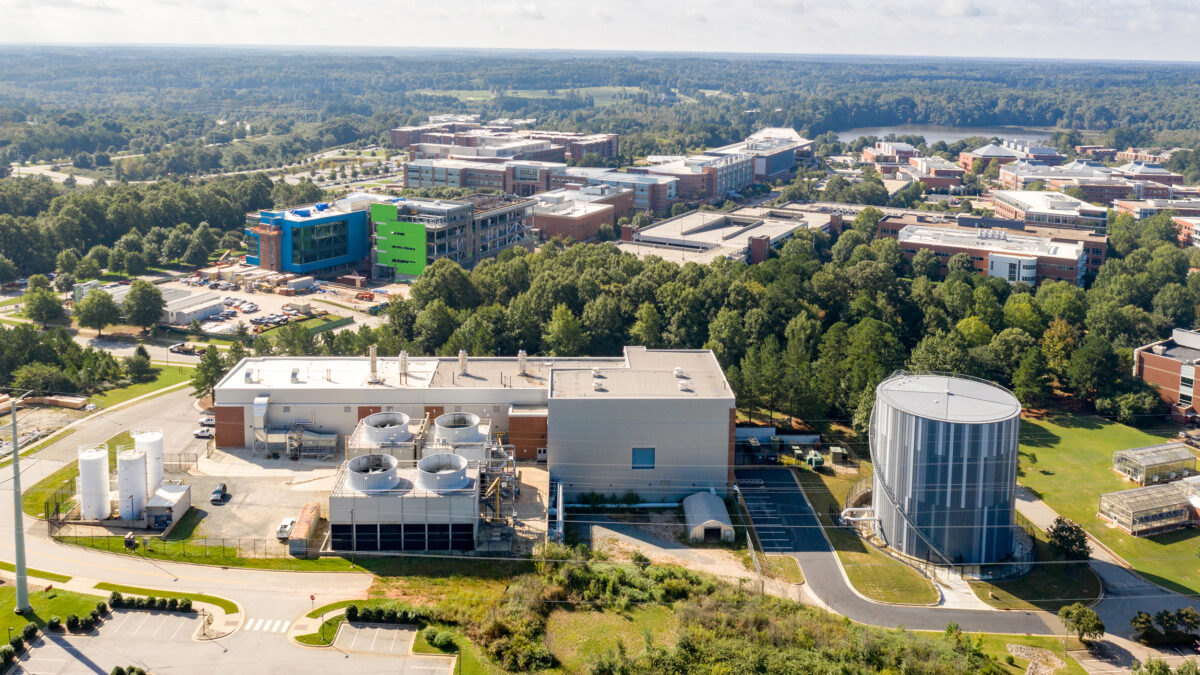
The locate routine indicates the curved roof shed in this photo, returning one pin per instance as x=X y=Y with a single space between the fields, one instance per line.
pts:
x=707 y=518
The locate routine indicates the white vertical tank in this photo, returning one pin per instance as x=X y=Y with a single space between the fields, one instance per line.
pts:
x=150 y=441
x=93 y=482
x=131 y=483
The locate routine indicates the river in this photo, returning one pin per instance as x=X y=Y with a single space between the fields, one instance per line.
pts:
x=934 y=133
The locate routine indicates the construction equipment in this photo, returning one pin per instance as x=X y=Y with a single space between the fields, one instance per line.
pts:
x=364 y=295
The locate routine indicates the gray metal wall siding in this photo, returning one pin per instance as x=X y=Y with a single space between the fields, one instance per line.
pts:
x=955 y=481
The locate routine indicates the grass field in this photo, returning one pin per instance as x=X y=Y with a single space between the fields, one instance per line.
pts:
x=997 y=645
x=41 y=574
x=1066 y=460
x=577 y=638
x=873 y=573
x=5 y=302
x=166 y=376
x=33 y=499
x=45 y=605
x=1050 y=585
x=784 y=568
x=227 y=606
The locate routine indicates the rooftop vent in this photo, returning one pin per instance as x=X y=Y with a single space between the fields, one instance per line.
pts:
x=462 y=361
x=679 y=372
x=597 y=385
x=295 y=375
x=522 y=366
x=684 y=385
x=597 y=374
x=249 y=376
x=374 y=377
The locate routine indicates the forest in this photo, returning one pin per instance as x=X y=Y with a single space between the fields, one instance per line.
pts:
x=200 y=111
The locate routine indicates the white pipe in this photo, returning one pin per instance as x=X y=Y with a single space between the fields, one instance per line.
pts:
x=849 y=515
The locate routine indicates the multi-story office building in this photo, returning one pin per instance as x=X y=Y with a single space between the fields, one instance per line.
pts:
x=1048 y=208
x=409 y=234
x=889 y=152
x=1035 y=151
x=987 y=154
x=934 y=172
x=707 y=178
x=579 y=213
x=318 y=239
x=1151 y=171
x=518 y=177
x=1152 y=155
x=1144 y=208
x=651 y=193
x=1189 y=230
x=999 y=253
x=1101 y=152
x=1170 y=365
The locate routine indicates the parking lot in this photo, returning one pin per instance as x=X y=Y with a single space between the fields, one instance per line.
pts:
x=271 y=303
x=112 y=645
x=253 y=508
x=394 y=641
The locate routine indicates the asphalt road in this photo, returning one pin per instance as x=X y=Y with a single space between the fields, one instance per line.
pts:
x=793 y=529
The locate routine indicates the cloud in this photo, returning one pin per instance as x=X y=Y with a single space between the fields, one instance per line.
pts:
x=530 y=11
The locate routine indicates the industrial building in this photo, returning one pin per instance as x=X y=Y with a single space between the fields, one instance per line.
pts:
x=1170 y=365
x=945 y=449
x=655 y=422
x=747 y=235
x=1155 y=464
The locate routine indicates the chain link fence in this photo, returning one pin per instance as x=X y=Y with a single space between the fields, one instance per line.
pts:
x=200 y=549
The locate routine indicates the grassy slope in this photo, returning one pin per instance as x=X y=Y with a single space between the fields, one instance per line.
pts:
x=577 y=638
x=875 y=574
x=1067 y=460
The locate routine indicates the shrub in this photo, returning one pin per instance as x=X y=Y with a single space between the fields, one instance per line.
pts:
x=150 y=602
x=29 y=631
x=54 y=623
x=87 y=623
x=429 y=633
x=116 y=600
x=352 y=613
x=95 y=616
x=173 y=604
x=185 y=605
x=161 y=603
x=102 y=607
x=390 y=616
x=7 y=656
x=1010 y=660
x=117 y=670
x=72 y=622
x=443 y=640
x=17 y=643
x=640 y=560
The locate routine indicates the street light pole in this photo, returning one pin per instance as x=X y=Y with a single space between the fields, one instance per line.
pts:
x=18 y=519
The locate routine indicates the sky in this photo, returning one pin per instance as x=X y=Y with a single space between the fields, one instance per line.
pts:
x=1155 y=30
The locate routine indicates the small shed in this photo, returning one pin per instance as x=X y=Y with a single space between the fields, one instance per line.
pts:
x=707 y=518
x=167 y=506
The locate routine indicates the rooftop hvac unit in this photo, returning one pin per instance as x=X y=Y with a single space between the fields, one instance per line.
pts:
x=597 y=374
x=684 y=385
x=249 y=377
x=679 y=372
x=597 y=385
x=295 y=375
x=386 y=427
x=442 y=472
x=457 y=427
x=372 y=473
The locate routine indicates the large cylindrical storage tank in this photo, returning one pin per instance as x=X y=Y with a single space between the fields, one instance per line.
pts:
x=457 y=427
x=945 y=452
x=150 y=441
x=93 y=482
x=131 y=483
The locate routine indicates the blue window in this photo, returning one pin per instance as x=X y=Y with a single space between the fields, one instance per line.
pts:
x=643 y=458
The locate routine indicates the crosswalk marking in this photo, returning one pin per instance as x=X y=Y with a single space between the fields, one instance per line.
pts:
x=268 y=625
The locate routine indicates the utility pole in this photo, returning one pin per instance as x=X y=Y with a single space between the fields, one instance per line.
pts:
x=18 y=519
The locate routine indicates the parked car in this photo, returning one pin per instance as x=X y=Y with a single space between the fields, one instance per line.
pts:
x=208 y=421
x=285 y=528
x=218 y=494
x=180 y=348
x=203 y=432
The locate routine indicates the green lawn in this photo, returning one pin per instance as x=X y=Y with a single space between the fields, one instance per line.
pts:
x=324 y=635
x=166 y=376
x=227 y=606
x=11 y=301
x=33 y=499
x=785 y=568
x=45 y=605
x=578 y=638
x=1067 y=461
x=41 y=574
x=1050 y=585
x=873 y=573
x=471 y=661
x=997 y=645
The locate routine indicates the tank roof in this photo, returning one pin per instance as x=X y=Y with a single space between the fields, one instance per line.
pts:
x=948 y=398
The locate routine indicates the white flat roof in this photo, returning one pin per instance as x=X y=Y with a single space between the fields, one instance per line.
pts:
x=639 y=373
x=947 y=398
x=999 y=241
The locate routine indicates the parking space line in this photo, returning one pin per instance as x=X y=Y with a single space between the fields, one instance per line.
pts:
x=357 y=633
x=177 y=629
x=117 y=628
x=374 y=637
x=143 y=623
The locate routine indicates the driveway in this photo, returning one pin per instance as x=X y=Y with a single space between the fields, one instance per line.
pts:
x=792 y=528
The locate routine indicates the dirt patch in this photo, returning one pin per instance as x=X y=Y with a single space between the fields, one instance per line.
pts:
x=662 y=524
x=45 y=418
x=1041 y=661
